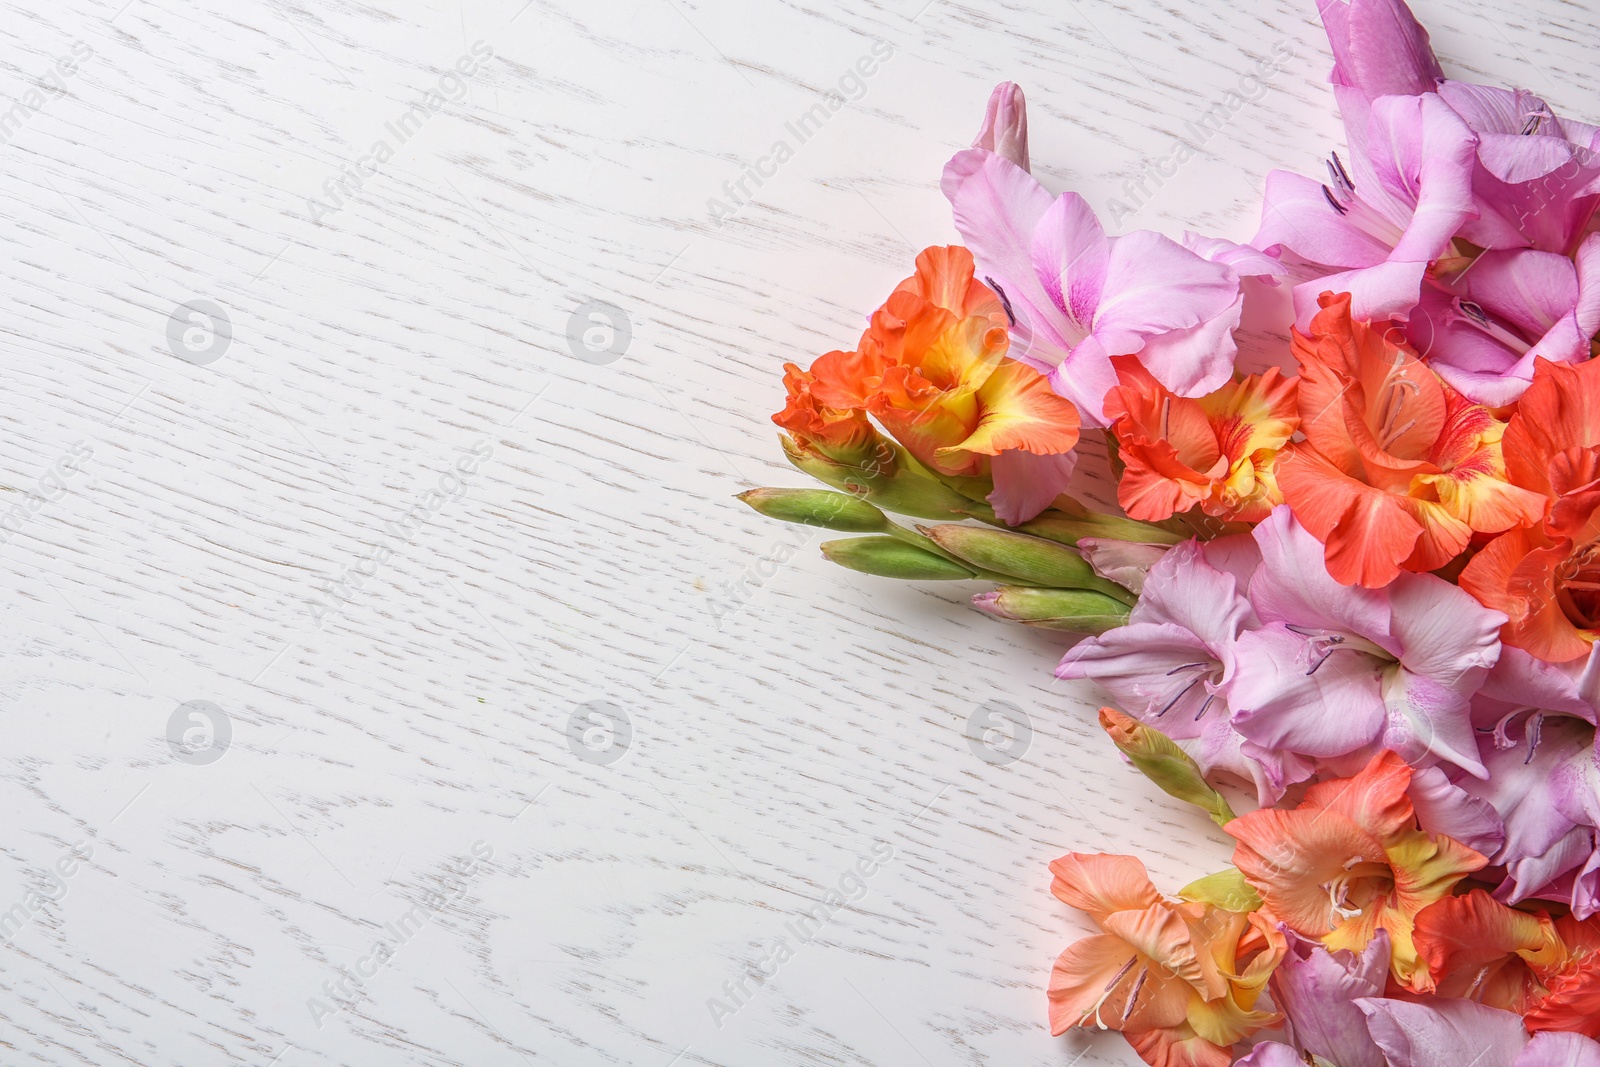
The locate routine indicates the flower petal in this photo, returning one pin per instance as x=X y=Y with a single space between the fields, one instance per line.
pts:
x=1070 y=253
x=1154 y=285
x=1552 y=1049
x=997 y=206
x=1025 y=484
x=1445 y=808
x=1098 y=884
x=1293 y=585
x=1316 y=990
x=1444 y=1033
x=1376 y=798
x=1296 y=214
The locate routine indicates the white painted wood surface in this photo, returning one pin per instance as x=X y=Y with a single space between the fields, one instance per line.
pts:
x=185 y=515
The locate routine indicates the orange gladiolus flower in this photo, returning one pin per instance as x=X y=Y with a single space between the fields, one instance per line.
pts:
x=1547 y=579
x=841 y=435
x=1216 y=452
x=932 y=369
x=1398 y=470
x=1573 y=1000
x=1547 y=971
x=1350 y=860
x=1179 y=979
x=1473 y=946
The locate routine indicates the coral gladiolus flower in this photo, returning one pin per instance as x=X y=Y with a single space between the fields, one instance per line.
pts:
x=841 y=436
x=1350 y=860
x=1547 y=579
x=1547 y=971
x=1573 y=1000
x=1398 y=470
x=1478 y=948
x=1179 y=980
x=1216 y=452
x=932 y=369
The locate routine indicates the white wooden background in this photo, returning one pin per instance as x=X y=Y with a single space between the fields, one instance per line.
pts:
x=373 y=347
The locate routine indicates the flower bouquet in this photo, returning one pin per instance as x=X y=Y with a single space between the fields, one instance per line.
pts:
x=1364 y=586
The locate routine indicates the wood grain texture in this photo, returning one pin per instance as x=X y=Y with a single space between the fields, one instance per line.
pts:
x=373 y=348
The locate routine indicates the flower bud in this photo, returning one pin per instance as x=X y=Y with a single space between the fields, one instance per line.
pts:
x=890 y=558
x=817 y=507
x=1070 y=529
x=1159 y=759
x=887 y=478
x=1077 y=611
x=1034 y=560
x=1005 y=124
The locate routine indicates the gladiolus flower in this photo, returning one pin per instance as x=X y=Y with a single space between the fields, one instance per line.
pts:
x=1473 y=946
x=1351 y=860
x=1216 y=452
x=1440 y=1032
x=1398 y=471
x=1334 y=672
x=1547 y=579
x=1488 y=325
x=1535 y=721
x=932 y=369
x=1171 y=666
x=1533 y=185
x=840 y=435
x=1378 y=232
x=1079 y=296
x=1546 y=970
x=1179 y=980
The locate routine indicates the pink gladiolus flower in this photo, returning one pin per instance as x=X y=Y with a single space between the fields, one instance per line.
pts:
x=1340 y=671
x=1317 y=992
x=1442 y=1032
x=1506 y=175
x=1077 y=297
x=1483 y=328
x=1170 y=666
x=1379 y=231
x=1534 y=183
x=1537 y=722
x=1537 y=176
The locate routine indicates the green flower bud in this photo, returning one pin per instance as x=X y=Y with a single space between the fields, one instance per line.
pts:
x=891 y=558
x=1160 y=759
x=1077 y=611
x=1033 y=560
x=890 y=479
x=817 y=507
x=1070 y=530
